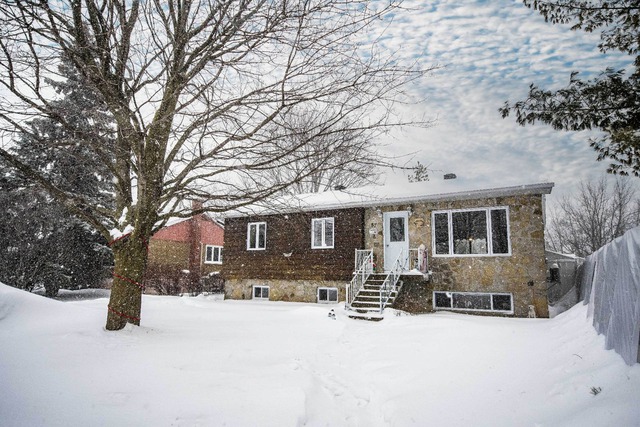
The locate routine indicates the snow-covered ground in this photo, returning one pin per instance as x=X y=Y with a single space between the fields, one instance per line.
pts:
x=205 y=362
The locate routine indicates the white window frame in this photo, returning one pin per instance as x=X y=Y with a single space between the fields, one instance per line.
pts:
x=490 y=294
x=257 y=235
x=262 y=287
x=213 y=259
x=327 y=301
x=323 y=224
x=489 y=234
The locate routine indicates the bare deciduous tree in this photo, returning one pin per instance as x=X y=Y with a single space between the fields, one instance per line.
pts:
x=193 y=88
x=337 y=154
x=596 y=215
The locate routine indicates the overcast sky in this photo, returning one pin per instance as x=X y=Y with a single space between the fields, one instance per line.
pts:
x=491 y=51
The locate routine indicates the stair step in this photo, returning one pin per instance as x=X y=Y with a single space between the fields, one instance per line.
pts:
x=357 y=303
x=372 y=297
x=366 y=304
x=372 y=305
x=374 y=317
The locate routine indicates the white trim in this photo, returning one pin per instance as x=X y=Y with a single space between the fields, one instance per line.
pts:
x=489 y=234
x=489 y=294
x=390 y=256
x=323 y=243
x=328 y=300
x=213 y=256
x=377 y=196
x=257 y=234
x=261 y=297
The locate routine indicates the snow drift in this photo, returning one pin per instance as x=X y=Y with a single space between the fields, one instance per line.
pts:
x=198 y=361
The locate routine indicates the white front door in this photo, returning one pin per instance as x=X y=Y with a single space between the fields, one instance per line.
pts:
x=396 y=237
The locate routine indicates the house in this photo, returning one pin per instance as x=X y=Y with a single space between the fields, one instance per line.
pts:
x=185 y=255
x=435 y=245
x=563 y=276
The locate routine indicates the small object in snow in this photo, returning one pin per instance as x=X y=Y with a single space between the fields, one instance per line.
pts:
x=332 y=314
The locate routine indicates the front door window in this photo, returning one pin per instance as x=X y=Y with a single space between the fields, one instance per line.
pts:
x=396 y=229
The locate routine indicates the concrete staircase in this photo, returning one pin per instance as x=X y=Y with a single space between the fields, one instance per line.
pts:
x=366 y=304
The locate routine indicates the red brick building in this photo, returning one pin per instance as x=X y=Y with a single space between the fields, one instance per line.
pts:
x=183 y=253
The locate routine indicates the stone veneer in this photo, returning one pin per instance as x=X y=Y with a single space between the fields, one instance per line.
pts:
x=523 y=273
x=282 y=290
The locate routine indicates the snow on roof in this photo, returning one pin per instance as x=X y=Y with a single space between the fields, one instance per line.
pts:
x=426 y=191
x=560 y=255
x=177 y=220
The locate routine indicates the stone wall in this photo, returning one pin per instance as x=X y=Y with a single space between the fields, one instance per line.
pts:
x=523 y=273
x=282 y=290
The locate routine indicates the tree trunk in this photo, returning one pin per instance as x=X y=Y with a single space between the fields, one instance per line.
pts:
x=130 y=256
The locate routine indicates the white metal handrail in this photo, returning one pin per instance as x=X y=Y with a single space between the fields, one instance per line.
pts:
x=363 y=269
x=389 y=284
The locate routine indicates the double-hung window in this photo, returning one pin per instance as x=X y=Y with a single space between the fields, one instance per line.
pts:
x=256 y=236
x=471 y=232
x=213 y=254
x=322 y=233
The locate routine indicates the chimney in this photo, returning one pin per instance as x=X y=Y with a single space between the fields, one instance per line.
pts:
x=450 y=176
x=196 y=204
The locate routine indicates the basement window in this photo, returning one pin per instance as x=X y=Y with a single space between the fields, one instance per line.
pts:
x=260 y=292
x=327 y=295
x=473 y=301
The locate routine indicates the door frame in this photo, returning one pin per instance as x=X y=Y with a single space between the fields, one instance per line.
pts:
x=385 y=237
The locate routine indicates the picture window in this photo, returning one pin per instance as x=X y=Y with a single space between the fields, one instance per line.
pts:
x=471 y=232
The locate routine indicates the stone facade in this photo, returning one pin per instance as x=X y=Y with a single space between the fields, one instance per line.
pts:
x=521 y=273
x=283 y=290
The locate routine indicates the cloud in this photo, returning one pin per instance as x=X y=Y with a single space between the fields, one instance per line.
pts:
x=491 y=52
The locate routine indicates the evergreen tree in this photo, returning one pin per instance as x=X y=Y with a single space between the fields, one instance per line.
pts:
x=419 y=173
x=41 y=242
x=609 y=102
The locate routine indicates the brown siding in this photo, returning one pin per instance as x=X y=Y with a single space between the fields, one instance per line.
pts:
x=167 y=252
x=291 y=234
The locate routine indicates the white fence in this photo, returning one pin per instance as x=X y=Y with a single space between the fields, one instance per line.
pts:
x=611 y=285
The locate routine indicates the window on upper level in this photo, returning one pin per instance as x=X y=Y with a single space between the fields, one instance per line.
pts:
x=256 y=236
x=471 y=232
x=213 y=254
x=322 y=233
